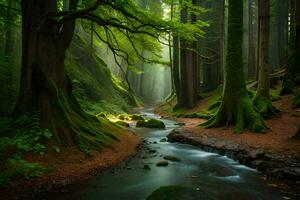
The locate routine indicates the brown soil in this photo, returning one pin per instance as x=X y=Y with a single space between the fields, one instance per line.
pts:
x=73 y=165
x=277 y=140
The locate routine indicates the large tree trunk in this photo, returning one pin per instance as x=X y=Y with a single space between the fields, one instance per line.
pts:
x=292 y=76
x=236 y=107
x=45 y=87
x=262 y=99
x=176 y=67
x=183 y=62
x=251 y=42
x=188 y=65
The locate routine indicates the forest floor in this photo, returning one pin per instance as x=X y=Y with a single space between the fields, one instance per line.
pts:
x=278 y=139
x=274 y=153
x=72 y=165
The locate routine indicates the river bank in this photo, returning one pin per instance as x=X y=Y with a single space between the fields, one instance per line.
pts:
x=275 y=153
x=72 y=166
x=213 y=175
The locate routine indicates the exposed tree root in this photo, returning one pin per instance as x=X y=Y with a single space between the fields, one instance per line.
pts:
x=241 y=113
x=264 y=107
x=69 y=124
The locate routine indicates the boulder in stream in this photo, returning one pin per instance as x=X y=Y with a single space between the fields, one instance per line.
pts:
x=162 y=163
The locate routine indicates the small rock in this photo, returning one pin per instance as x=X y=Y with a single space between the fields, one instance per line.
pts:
x=162 y=163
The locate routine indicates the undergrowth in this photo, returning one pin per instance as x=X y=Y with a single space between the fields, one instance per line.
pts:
x=19 y=136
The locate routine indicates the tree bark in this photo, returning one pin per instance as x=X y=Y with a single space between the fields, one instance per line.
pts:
x=45 y=87
x=188 y=65
x=262 y=99
x=176 y=66
x=236 y=107
x=251 y=42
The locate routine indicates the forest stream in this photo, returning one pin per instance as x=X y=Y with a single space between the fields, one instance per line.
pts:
x=218 y=177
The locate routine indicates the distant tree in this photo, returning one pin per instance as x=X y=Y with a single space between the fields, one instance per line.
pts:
x=252 y=28
x=292 y=76
x=236 y=106
x=262 y=98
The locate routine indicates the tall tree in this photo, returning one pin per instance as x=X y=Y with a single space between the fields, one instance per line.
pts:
x=262 y=98
x=251 y=40
x=236 y=107
x=46 y=88
x=188 y=64
x=293 y=70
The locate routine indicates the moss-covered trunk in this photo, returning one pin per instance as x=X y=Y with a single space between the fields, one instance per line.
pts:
x=236 y=107
x=45 y=86
x=262 y=100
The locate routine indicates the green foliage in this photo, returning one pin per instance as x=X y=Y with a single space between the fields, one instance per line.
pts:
x=264 y=107
x=18 y=136
x=96 y=89
x=20 y=169
x=275 y=93
x=24 y=134
x=200 y=115
x=16 y=168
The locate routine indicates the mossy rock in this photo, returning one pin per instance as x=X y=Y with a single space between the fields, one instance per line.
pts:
x=198 y=115
x=155 y=123
x=178 y=193
x=136 y=117
x=122 y=117
x=141 y=123
x=121 y=123
x=102 y=115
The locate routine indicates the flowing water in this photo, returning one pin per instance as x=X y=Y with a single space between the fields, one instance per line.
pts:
x=217 y=176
